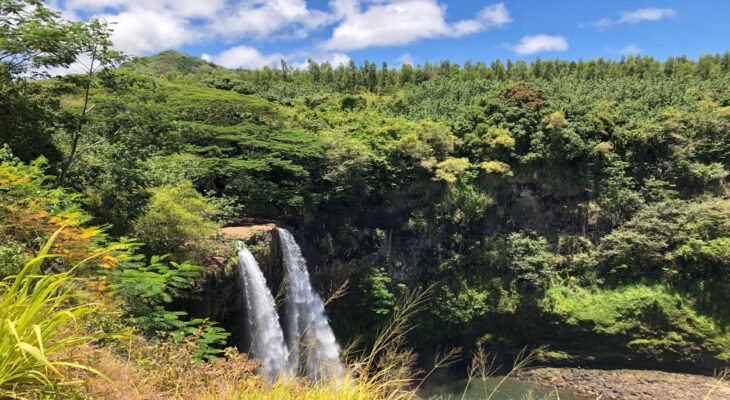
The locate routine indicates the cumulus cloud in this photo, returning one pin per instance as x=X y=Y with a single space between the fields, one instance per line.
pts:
x=334 y=59
x=399 y=22
x=145 y=31
x=636 y=16
x=260 y=18
x=144 y=26
x=493 y=16
x=245 y=57
x=532 y=44
x=80 y=66
x=182 y=8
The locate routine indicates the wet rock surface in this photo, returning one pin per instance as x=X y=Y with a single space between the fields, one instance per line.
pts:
x=625 y=384
x=216 y=294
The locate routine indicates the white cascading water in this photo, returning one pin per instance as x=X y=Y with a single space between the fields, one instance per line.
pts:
x=262 y=321
x=312 y=346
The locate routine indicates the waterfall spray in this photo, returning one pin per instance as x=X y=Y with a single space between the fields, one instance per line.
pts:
x=263 y=329
x=312 y=346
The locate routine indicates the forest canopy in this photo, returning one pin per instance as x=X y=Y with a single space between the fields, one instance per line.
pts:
x=580 y=204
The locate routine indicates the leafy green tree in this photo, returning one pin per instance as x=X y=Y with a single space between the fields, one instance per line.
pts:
x=619 y=196
x=673 y=241
x=27 y=123
x=524 y=261
x=176 y=220
x=375 y=291
x=93 y=43
x=32 y=36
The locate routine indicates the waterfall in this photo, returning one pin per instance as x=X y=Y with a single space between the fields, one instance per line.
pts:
x=312 y=346
x=263 y=329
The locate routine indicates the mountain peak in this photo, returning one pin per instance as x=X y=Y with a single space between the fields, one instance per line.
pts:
x=171 y=62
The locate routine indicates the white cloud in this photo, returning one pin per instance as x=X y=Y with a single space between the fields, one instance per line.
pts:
x=334 y=59
x=399 y=22
x=182 y=8
x=261 y=18
x=493 y=16
x=341 y=8
x=406 y=59
x=246 y=57
x=145 y=31
x=646 y=14
x=147 y=26
x=81 y=65
x=630 y=49
x=636 y=16
x=532 y=44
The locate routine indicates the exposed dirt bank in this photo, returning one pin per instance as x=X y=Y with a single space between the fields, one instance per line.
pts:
x=626 y=384
x=245 y=232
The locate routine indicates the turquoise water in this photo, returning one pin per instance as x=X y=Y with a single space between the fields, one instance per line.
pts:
x=511 y=389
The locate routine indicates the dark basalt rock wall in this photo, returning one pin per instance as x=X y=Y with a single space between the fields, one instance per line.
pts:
x=216 y=295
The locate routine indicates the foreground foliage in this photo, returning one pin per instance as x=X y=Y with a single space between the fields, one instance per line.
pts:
x=39 y=330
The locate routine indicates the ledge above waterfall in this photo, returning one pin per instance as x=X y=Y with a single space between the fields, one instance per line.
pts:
x=246 y=232
x=215 y=294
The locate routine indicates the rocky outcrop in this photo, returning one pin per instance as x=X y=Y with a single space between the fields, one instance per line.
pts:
x=216 y=294
x=627 y=384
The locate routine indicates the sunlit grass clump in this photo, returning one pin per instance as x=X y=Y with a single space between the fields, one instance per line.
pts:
x=38 y=331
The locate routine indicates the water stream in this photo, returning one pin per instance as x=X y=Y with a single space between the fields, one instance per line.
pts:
x=306 y=346
x=313 y=350
x=263 y=330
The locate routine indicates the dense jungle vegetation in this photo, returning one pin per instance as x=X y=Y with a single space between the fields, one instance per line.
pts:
x=576 y=204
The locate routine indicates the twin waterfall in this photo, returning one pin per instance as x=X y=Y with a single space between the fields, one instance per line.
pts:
x=262 y=322
x=307 y=346
x=311 y=341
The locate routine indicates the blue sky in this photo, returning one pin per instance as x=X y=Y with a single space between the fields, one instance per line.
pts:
x=254 y=33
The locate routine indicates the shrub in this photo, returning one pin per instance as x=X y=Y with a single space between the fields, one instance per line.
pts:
x=674 y=240
x=651 y=320
x=31 y=210
x=176 y=221
x=527 y=262
x=12 y=257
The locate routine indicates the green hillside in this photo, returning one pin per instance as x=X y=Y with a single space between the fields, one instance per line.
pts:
x=581 y=205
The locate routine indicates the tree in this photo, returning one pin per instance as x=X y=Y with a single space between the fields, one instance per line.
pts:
x=32 y=39
x=95 y=47
x=673 y=241
x=27 y=120
x=177 y=220
x=33 y=36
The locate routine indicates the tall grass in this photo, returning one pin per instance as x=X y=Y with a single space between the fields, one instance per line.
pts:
x=482 y=367
x=37 y=315
x=386 y=370
x=722 y=376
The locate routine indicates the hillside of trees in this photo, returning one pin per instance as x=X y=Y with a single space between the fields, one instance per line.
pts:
x=581 y=205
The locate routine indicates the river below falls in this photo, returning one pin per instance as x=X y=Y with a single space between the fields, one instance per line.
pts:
x=478 y=389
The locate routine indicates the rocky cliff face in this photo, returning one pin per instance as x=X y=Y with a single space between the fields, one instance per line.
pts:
x=216 y=295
